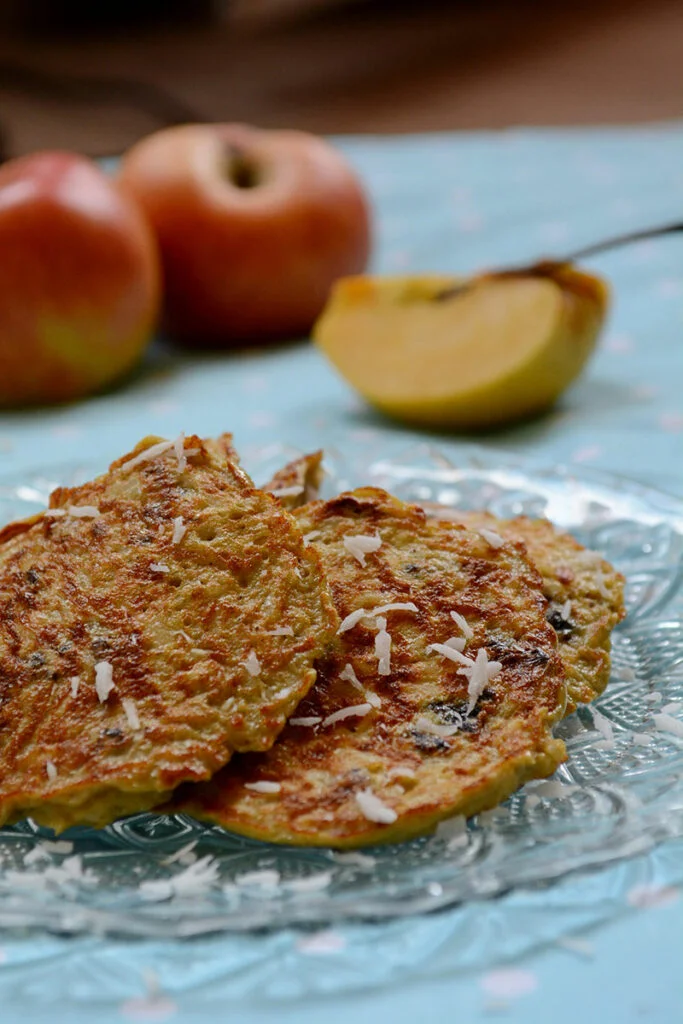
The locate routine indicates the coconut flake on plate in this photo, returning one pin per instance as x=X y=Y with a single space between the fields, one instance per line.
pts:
x=306 y=720
x=280 y=631
x=350 y=676
x=75 y=682
x=373 y=809
x=604 y=727
x=159 y=567
x=51 y=770
x=360 y=544
x=104 y=679
x=668 y=724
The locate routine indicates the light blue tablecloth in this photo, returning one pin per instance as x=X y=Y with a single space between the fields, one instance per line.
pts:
x=443 y=202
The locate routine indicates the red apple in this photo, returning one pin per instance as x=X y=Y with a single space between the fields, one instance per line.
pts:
x=79 y=279
x=253 y=226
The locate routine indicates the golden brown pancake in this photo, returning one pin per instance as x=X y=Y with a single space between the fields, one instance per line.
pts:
x=585 y=592
x=411 y=739
x=153 y=622
x=299 y=481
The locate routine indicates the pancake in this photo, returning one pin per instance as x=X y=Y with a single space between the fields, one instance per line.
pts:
x=151 y=623
x=393 y=737
x=299 y=481
x=585 y=592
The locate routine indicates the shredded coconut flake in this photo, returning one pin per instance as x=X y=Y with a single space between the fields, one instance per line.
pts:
x=350 y=676
x=252 y=664
x=131 y=712
x=153 y=452
x=451 y=653
x=492 y=538
x=667 y=723
x=357 y=860
x=75 y=683
x=263 y=786
x=353 y=711
x=77 y=511
x=280 y=631
x=306 y=720
x=159 y=567
x=353 y=619
x=456 y=643
x=311 y=883
x=104 y=680
x=424 y=724
x=51 y=770
x=461 y=622
x=183 y=634
x=479 y=675
x=394 y=606
x=359 y=545
x=179 y=530
x=383 y=648
x=672 y=708
x=196 y=879
x=266 y=879
x=373 y=699
x=179 y=448
x=181 y=853
x=287 y=492
x=372 y=614
x=373 y=809
x=604 y=727
x=566 y=611
x=311 y=536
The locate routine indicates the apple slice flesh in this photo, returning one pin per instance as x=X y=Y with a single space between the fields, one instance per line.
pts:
x=464 y=353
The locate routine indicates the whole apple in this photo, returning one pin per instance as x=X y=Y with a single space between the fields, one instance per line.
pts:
x=79 y=279
x=253 y=227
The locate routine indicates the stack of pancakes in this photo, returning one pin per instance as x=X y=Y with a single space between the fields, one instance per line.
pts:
x=334 y=673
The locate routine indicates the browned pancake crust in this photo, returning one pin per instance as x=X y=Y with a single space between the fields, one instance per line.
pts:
x=420 y=776
x=78 y=591
x=299 y=481
x=572 y=574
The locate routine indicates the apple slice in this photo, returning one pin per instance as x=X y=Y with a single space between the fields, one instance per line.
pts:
x=465 y=353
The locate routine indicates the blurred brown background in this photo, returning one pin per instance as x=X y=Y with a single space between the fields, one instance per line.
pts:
x=360 y=66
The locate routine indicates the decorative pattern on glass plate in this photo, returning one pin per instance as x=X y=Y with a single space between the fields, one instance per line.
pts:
x=619 y=793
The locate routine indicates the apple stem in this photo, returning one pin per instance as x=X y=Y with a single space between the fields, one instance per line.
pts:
x=619 y=240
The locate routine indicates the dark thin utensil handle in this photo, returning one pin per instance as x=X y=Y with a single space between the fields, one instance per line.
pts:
x=619 y=240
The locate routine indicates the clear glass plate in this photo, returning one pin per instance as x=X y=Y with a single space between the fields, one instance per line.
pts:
x=611 y=800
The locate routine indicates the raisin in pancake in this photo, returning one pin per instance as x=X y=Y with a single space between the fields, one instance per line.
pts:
x=299 y=481
x=167 y=578
x=585 y=592
x=410 y=740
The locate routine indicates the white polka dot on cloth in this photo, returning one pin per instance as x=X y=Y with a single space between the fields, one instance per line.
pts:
x=587 y=454
x=509 y=982
x=149 y=1008
x=645 y=897
x=322 y=943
